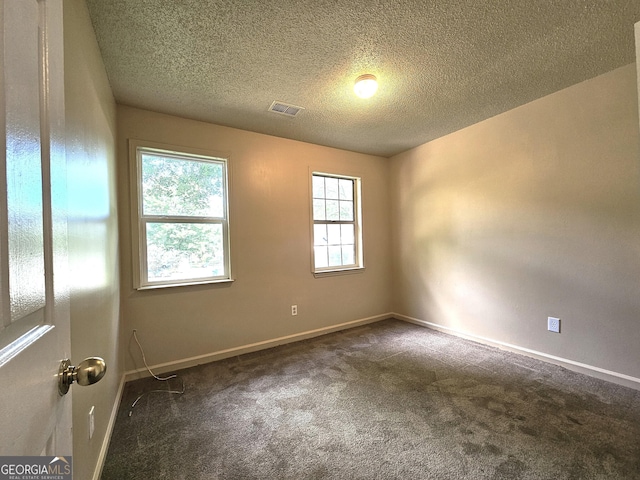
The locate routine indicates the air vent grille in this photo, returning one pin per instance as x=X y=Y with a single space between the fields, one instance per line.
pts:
x=285 y=109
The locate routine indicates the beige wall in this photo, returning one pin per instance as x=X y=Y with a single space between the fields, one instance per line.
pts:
x=270 y=246
x=93 y=252
x=530 y=214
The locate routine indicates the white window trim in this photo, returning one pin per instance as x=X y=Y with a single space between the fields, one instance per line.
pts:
x=138 y=231
x=357 y=211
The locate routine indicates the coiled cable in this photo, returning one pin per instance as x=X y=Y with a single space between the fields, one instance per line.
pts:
x=162 y=379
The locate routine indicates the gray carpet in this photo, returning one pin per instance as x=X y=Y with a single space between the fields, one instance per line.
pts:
x=385 y=401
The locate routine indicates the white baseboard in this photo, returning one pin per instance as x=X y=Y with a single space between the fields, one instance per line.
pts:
x=107 y=436
x=232 y=352
x=614 y=377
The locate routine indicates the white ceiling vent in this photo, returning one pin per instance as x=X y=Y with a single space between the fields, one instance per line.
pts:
x=285 y=109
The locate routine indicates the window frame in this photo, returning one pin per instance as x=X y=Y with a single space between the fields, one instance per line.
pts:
x=139 y=221
x=358 y=266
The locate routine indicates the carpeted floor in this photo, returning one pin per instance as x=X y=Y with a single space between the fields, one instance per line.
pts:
x=385 y=401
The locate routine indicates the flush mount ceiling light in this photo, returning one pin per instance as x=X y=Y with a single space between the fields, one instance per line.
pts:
x=366 y=86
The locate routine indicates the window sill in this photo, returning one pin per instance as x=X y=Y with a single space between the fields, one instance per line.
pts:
x=333 y=273
x=185 y=284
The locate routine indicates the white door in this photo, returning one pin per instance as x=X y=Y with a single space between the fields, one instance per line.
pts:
x=34 y=302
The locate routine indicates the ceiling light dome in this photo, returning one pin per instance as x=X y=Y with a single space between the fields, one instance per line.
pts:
x=366 y=86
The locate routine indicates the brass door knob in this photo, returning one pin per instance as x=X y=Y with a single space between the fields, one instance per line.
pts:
x=88 y=372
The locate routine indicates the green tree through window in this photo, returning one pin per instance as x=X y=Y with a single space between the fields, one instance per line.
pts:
x=183 y=219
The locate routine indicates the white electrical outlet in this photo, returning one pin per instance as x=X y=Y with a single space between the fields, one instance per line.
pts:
x=294 y=310
x=553 y=324
x=92 y=422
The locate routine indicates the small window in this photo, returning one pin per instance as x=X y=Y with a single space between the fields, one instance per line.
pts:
x=337 y=230
x=182 y=218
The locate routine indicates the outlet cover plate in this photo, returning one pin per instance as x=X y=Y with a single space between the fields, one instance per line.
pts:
x=553 y=324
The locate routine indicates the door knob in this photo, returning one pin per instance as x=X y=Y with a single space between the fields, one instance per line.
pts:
x=88 y=372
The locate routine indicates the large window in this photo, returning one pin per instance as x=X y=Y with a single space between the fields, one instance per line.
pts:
x=182 y=221
x=337 y=230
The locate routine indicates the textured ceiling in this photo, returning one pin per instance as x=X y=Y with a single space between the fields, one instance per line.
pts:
x=441 y=64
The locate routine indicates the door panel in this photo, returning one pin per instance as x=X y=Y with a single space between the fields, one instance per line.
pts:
x=34 y=329
x=23 y=161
